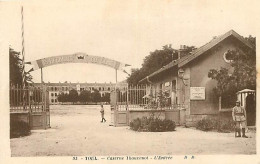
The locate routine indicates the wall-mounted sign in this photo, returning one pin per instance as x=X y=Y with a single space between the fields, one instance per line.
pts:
x=76 y=58
x=197 y=93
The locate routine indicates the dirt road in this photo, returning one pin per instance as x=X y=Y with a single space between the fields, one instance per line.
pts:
x=77 y=131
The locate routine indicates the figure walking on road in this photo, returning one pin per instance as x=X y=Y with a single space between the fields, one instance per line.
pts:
x=239 y=116
x=102 y=111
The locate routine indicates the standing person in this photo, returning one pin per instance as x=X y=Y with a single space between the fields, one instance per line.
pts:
x=239 y=116
x=102 y=111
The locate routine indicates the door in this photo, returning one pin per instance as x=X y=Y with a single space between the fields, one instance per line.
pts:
x=251 y=110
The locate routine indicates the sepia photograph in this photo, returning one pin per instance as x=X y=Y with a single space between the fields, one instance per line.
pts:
x=135 y=81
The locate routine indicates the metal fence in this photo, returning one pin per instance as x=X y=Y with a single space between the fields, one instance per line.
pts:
x=29 y=99
x=143 y=97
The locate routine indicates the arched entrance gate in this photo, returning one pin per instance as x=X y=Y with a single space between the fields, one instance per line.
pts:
x=35 y=104
x=76 y=58
x=31 y=105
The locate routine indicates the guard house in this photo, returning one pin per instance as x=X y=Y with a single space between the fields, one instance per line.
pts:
x=186 y=79
x=248 y=101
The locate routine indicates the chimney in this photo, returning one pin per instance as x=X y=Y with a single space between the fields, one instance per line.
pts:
x=183 y=51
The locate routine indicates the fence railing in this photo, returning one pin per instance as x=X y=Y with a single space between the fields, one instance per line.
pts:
x=145 y=98
x=29 y=99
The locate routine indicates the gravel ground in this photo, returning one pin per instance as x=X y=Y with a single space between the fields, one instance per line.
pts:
x=77 y=131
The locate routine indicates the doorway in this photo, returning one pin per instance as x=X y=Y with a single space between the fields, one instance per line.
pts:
x=251 y=110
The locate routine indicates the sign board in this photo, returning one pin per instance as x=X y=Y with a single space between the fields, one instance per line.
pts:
x=76 y=58
x=197 y=93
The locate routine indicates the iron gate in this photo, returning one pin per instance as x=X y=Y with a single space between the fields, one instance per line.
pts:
x=31 y=105
x=128 y=103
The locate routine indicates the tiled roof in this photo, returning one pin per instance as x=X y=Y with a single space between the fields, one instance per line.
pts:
x=183 y=61
x=164 y=68
x=210 y=45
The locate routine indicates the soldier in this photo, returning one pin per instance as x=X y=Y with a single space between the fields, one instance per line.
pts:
x=102 y=111
x=239 y=116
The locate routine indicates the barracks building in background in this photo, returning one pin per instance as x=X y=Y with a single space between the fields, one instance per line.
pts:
x=56 y=88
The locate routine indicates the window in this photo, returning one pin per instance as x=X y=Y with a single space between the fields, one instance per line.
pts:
x=55 y=100
x=228 y=56
x=55 y=94
x=52 y=100
x=55 y=88
x=52 y=94
x=108 y=88
x=103 y=88
x=226 y=100
x=51 y=88
x=99 y=88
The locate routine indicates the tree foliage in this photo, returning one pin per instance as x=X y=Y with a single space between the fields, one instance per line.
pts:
x=153 y=62
x=96 y=96
x=85 y=96
x=106 y=97
x=243 y=75
x=73 y=95
x=63 y=97
x=15 y=67
x=156 y=60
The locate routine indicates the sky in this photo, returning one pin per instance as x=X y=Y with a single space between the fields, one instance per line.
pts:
x=125 y=31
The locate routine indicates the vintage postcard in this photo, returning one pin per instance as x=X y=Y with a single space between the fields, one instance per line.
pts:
x=129 y=81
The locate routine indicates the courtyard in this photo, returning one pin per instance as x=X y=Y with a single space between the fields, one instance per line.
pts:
x=76 y=130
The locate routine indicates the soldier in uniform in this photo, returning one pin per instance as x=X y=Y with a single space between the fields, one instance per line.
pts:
x=239 y=116
x=102 y=111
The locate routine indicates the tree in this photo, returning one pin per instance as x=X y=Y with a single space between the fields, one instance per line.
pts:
x=73 y=96
x=136 y=76
x=63 y=97
x=96 y=96
x=106 y=97
x=85 y=96
x=153 y=62
x=15 y=66
x=243 y=62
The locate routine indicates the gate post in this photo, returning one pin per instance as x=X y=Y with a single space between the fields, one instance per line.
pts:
x=182 y=116
x=113 y=107
x=47 y=108
x=44 y=106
